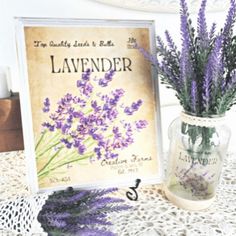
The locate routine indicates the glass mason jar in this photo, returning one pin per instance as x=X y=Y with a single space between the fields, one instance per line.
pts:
x=197 y=149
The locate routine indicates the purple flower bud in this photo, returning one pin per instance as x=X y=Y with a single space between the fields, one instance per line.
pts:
x=95 y=106
x=65 y=128
x=48 y=126
x=95 y=127
x=128 y=111
x=70 y=119
x=97 y=136
x=202 y=27
x=86 y=75
x=99 y=122
x=46 y=104
x=81 y=149
x=134 y=107
x=97 y=150
x=110 y=155
x=112 y=114
x=194 y=96
x=116 y=132
x=118 y=92
x=77 y=114
x=141 y=124
x=66 y=142
x=58 y=124
x=60 y=224
x=107 y=78
x=88 y=89
x=81 y=129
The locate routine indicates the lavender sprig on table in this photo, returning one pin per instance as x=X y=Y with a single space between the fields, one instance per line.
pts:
x=80 y=212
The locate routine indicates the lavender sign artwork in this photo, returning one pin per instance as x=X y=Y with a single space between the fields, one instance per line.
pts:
x=90 y=108
x=86 y=127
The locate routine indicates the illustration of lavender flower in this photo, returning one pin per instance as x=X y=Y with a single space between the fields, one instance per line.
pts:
x=87 y=126
x=196 y=180
x=80 y=212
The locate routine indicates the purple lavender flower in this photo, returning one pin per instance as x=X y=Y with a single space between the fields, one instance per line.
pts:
x=108 y=78
x=185 y=60
x=86 y=75
x=170 y=41
x=97 y=137
x=172 y=80
x=183 y=8
x=95 y=106
x=58 y=124
x=48 y=126
x=70 y=118
x=97 y=150
x=202 y=27
x=153 y=59
x=122 y=141
x=117 y=95
x=194 y=96
x=230 y=20
x=172 y=46
x=46 y=104
x=65 y=128
x=77 y=197
x=93 y=221
x=206 y=58
x=141 y=124
x=168 y=57
x=93 y=232
x=67 y=143
x=77 y=114
x=134 y=107
x=59 y=216
x=103 y=201
x=86 y=88
x=92 y=211
x=212 y=32
x=81 y=149
x=60 y=224
x=213 y=71
x=160 y=44
x=111 y=155
x=89 y=126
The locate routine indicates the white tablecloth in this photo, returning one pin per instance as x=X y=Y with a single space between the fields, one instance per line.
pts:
x=151 y=215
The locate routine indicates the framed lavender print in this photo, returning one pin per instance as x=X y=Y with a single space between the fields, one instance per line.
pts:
x=90 y=104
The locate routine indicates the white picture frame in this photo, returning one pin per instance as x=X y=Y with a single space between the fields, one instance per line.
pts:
x=39 y=43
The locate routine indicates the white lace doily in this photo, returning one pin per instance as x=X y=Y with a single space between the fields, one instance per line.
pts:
x=18 y=209
x=151 y=215
x=19 y=216
x=154 y=215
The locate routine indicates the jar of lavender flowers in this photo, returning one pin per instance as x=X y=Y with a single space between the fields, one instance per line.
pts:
x=203 y=76
x=197 y=150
